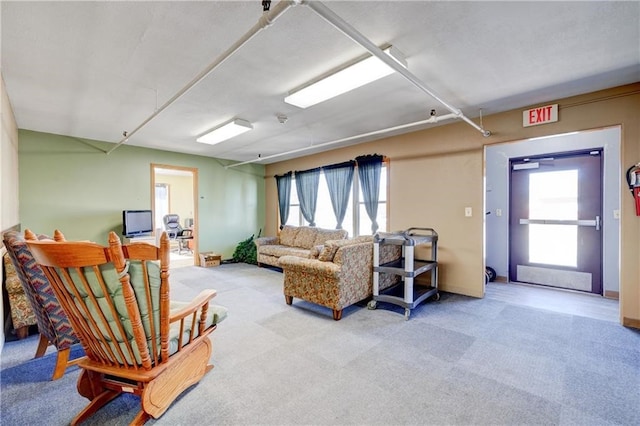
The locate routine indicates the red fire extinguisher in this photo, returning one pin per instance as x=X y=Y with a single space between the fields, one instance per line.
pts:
x=633 y=180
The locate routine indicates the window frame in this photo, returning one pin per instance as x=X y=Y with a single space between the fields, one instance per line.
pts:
x=356 y=204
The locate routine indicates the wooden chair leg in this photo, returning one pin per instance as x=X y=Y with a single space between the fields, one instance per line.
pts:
x=140 y=419
x=288 y=299
x=22 y=332
x=61 y=363
x=337 y=314
x=43 y=343
x=95 y=404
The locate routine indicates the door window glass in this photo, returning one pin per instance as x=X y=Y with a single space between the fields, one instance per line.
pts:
x=553 y=196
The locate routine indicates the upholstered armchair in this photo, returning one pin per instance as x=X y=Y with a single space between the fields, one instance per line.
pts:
x=53 y=325
x=340 y=275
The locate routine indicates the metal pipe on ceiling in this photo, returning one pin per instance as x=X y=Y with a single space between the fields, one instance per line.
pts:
x=265 y=20
x=430 y=120
x=339 y=23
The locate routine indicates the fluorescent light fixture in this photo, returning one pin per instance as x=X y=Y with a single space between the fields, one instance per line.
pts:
x=349 y=78
x=226 y=131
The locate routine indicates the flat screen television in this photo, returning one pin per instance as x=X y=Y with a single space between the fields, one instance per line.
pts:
x=137 y=223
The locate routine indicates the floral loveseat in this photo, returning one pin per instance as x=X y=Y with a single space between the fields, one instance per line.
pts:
x=300 y=241
x=341 y=275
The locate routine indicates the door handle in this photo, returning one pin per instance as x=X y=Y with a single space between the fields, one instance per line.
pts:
x=595 y=222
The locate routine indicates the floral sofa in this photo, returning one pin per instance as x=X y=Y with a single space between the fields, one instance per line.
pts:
x=340 y=275
x=300 y=241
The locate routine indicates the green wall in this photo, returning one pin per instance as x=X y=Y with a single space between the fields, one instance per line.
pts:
x=71 y=184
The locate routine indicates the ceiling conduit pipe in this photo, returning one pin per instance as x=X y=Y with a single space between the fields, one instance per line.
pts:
x=430 y=120
x=265 y=20
x=329 y=16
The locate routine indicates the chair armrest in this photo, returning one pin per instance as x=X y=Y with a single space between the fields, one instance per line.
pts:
x=198 y=302
x=265 y=241
x=309 y=266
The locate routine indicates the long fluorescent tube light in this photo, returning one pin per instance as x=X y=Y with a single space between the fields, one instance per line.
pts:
x=228 y=130
x=345 y=80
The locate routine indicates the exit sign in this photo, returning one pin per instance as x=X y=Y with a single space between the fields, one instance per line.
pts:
x=540 y=115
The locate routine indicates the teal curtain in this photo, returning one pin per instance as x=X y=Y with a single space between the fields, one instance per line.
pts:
x=284 y=196
x=307 y=186
x=369 y=167
x=339 y=178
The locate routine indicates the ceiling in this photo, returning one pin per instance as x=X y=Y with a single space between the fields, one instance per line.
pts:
x=96 y=69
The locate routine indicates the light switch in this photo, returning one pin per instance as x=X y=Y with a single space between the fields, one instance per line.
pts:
x=498 y=212
x=468 y=212
x=616 y=214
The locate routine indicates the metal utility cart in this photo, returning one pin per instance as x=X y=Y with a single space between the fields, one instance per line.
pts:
x=407 y=293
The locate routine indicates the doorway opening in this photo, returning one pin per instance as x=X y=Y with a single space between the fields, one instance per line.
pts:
x=175 y=210
x=499 y=162
x=555 y=230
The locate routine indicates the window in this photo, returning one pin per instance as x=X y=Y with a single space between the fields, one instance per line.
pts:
x=161 y=203
x=355 y=218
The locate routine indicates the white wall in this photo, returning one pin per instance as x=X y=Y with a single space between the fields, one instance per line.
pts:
x=497 y=194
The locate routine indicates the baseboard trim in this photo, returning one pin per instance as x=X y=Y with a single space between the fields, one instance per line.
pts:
x=608 y=294
x=631 y=322
x=501 y=279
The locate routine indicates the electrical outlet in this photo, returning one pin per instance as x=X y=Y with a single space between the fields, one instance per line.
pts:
x=468 y=212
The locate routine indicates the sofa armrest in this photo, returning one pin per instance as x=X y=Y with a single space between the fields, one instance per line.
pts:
x=309 y=266
x=264 y=241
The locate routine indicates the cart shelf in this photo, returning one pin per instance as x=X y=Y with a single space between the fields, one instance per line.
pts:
x=407 y=293
x=398 y=267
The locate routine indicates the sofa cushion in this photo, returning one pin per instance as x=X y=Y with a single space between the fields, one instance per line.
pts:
x=288 y=235
x=315 y=251
x=327 y=253
x=278 y=250
x=323 y=235
x=306 y=237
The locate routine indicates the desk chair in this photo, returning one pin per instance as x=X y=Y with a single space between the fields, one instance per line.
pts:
x=176 y=232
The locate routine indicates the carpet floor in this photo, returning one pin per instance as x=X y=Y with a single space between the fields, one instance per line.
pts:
x=458 y=361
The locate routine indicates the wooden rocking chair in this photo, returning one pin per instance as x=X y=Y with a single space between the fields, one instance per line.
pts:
x=135 y=338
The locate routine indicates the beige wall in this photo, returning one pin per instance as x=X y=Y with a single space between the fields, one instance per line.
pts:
x=8 y=177
x=436 y=173
x=8 y=164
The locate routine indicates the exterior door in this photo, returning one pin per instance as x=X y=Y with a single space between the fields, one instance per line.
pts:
x=555 y=221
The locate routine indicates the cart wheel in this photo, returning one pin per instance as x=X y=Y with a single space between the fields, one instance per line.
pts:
x=407 y=313
x=436 y=297
x=372 y=305
x=491 y=273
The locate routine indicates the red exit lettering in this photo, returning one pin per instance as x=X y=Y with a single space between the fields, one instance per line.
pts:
x=540 y=115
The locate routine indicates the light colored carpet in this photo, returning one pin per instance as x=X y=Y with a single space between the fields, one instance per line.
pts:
x=459 y=361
